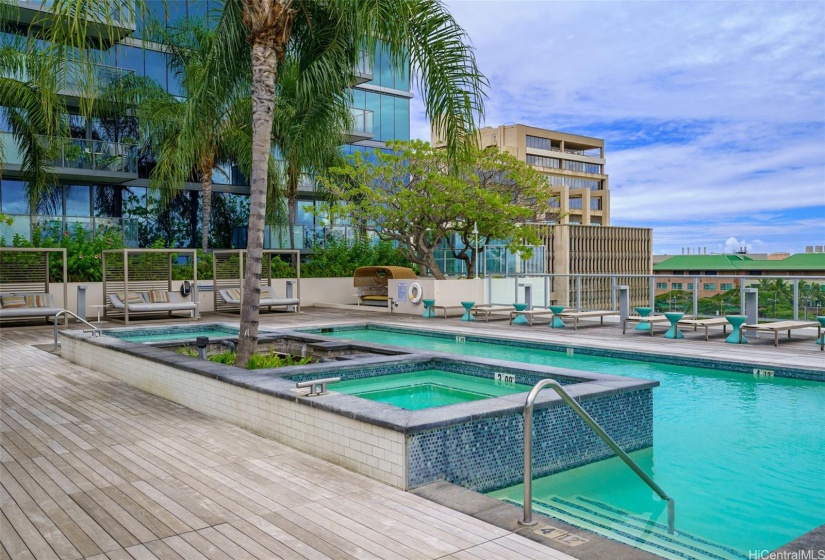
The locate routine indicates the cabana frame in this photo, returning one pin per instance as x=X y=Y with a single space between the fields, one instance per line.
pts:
x=118 y=277
x=225 y=274
x=20 y=277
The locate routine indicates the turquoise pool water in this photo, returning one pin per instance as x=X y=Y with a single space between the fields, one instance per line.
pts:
x=163 y=334
x=425 y=389
x=743 y=457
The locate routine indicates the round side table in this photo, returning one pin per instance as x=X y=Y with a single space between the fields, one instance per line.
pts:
x=673 y=331
x=736 y=337
x=821 y=340
x=557 y=322
x=520 y=319
x=467 y=305
x=428 y=311
x=643 y=312
x=99 y=308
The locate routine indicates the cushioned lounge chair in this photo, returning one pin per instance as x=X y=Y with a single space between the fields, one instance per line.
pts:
x=153 y=302
x=27 y=306
x=269 y=298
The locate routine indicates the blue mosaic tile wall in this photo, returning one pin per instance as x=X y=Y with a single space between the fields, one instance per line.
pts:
x=488 y=454
x=523 y=376
x=217 y=329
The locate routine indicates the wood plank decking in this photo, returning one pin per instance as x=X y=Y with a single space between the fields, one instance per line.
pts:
x=92 y=468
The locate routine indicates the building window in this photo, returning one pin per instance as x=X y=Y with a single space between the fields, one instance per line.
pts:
x=676 y=285
x=709 y=286
x=595 y=203
x=690 y=286
x=582 y=167
x=538 y=143
x=541 y=161
x=576 y=202
x=661 y=285
x=575 y=182
x=711 y=273
x=725 y=287
x=13 y=197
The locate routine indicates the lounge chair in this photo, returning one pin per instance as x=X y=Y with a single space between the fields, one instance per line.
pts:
x=778 y=326
x=529 y=314
x=488 y=310
x=154 y=301
x=576 y=315
x=27 y=306
x=269 y=298
x=650 y=319
x=706 y=323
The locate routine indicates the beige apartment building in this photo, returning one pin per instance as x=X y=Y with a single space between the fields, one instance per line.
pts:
x=573 y=164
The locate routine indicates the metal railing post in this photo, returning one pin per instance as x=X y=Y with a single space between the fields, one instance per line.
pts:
x=582 y=413
x=796 y=300
x=695 y=296
x=652 y=293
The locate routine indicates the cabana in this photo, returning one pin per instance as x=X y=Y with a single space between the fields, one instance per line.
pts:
x=24 y=283
x=229 y=271
x=371 y=282
x=140 y=281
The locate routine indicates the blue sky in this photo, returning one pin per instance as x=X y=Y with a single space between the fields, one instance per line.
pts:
x=713 y=113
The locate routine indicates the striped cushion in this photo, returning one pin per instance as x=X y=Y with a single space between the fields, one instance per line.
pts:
x=133 y=297
x=157 y=296
x=14 y=302
x=233 y=293
x=38 y=300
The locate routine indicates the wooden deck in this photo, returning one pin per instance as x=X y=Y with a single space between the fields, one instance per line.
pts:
x=92 y=468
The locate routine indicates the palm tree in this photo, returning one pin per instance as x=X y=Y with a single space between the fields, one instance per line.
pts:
x=307 y=131
x=29 y=85
x=185 y=150
x=324 y=38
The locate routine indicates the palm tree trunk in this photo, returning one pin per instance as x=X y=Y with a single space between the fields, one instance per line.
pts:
x=292 y=202
x=264 y=77
x=206 y=185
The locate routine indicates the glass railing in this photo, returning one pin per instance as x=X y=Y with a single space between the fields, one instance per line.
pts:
x=362 y=121
x=95 y=155
x=24 y=226
x=82 y=76
x=364 y=65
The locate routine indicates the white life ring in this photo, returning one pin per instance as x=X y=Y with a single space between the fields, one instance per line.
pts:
x=416 y=292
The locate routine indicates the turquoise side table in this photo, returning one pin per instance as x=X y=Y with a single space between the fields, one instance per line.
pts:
x=557 y=322
x=643 y=312
x=520 y=319
x=821 y=340
x=428 y=311
x=735 y=336
x=673 y=331
x=467 y=305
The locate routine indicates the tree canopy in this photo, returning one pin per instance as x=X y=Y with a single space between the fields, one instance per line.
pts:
x=413 y=195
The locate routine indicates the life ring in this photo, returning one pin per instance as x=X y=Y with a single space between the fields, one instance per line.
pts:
x=185 y=288
x=416 y=292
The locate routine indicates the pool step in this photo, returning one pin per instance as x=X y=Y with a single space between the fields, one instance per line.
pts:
x=635 y=530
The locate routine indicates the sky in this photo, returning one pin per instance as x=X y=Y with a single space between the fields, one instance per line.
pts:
x=713 y=113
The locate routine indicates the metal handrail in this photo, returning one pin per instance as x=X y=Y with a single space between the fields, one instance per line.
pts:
x=528 y=452
x=82 y=320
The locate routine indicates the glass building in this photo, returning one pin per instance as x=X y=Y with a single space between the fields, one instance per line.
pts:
x=103 y=177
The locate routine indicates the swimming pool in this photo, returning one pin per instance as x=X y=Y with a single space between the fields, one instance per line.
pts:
x=741 y=455
x=426 y=389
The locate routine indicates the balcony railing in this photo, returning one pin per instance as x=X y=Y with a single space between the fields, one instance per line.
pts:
x=362 y=121
x=363 y=69
x=94 y=155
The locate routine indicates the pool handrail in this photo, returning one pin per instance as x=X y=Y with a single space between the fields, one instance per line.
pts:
x=82 y=320
x=582 y=413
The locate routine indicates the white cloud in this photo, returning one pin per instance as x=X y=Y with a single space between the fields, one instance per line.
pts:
x=713 y=112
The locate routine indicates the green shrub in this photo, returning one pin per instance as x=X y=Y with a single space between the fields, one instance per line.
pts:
x=339 y=257
x=187 y=351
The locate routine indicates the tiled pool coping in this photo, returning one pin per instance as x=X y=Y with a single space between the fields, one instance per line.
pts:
x=663 y=358
x=477 y=444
